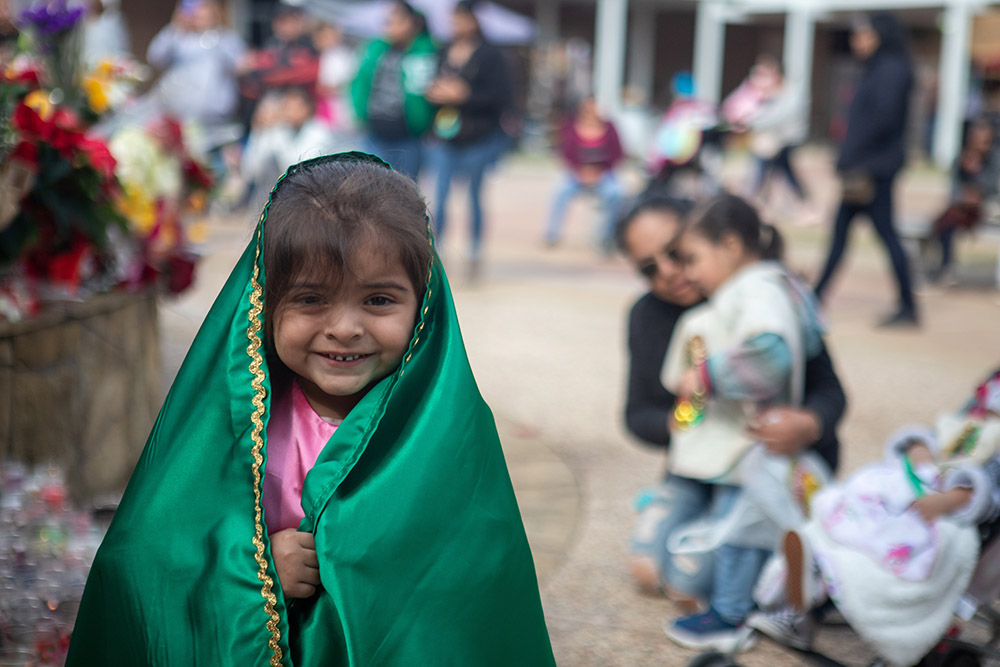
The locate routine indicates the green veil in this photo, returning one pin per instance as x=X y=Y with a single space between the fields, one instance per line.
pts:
x=423 y=556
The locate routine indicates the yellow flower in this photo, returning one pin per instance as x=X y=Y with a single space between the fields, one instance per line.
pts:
x=97 y=98
x=138 y=209
x=39 y=101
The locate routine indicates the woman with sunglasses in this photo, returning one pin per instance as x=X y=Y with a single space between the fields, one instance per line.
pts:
x=647 y=235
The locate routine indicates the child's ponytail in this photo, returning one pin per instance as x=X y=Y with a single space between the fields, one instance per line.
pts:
x=770 y=244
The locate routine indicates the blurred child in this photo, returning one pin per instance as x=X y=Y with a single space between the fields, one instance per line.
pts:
x=284 y=131
x=745 y=348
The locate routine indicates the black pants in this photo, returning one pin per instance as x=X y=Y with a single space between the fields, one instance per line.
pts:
x=880 y=212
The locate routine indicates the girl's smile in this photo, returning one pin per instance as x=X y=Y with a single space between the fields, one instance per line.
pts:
x=341 y=339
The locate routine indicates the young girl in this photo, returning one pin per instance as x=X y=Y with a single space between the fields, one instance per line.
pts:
x=745 y=348
x=324 y=484
x=896 y=543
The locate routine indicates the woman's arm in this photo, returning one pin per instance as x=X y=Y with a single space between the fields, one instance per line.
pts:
x=648 y=404
x=161 y=50
x=824 y=397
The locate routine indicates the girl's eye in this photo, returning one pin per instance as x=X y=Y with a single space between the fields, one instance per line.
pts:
x=378 y=301
x=308 y=300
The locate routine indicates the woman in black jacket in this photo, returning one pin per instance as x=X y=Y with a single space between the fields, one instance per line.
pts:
x=473 y=90
x=873 y=151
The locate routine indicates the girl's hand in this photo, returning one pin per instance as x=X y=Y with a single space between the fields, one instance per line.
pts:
x=448 y=90
x=933 y=506
x=295 y=560
x=689 y=385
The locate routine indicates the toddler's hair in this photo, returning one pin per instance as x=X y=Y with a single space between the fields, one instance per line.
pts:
x=729 y=214
x=322 y=214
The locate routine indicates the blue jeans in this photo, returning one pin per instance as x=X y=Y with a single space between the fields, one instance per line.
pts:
x=725 y=577
x=608 y=192
x=470 y=161
x=405 y=155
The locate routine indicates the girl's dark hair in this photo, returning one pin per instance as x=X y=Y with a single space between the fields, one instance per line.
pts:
x=679 y=208
x=324 y=213
x=407 y=8
x=729 y=214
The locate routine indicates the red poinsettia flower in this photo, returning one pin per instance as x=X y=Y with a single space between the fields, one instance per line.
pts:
x=68 y=267
x=67 y=119
x=98 y=155
x=180 y=270
x=28 y=78
x=197 y=175
x=168 y=130
x=27 y=153
x=30 y=123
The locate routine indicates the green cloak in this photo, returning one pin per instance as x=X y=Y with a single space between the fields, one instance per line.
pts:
x=423 y=556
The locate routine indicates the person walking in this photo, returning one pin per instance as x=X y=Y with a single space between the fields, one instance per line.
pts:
x=872 y=153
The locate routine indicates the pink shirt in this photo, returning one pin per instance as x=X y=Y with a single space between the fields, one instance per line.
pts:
x=295 y=437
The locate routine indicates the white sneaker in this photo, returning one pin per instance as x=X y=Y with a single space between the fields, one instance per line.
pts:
x=785 y=626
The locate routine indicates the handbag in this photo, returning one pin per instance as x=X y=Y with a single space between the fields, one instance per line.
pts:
x=857 y=188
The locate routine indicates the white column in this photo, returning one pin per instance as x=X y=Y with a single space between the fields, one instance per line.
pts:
x=642 y=49
x=239 y=17
x=797 y=59
x=953 y=82
x=547 y=18
x=709 y=48
x=609 y=54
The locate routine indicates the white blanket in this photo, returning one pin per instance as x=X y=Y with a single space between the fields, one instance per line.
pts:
x=901 y=619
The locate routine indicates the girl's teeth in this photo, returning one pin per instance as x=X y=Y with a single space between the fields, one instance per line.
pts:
x=350 y=357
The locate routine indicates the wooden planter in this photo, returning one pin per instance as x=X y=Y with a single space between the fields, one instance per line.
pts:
x=79 y=386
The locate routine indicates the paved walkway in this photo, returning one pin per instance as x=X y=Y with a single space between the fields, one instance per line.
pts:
x=545 y=334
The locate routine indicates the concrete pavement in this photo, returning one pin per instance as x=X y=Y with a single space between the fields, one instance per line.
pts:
x=545 y=332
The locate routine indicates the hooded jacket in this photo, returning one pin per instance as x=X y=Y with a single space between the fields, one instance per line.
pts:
x=876 y=123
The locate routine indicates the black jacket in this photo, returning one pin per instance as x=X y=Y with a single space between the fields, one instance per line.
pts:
x=490 y=94
x=876 y=123
x=649 y=405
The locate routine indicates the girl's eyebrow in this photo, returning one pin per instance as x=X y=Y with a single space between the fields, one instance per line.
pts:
x=390 y=285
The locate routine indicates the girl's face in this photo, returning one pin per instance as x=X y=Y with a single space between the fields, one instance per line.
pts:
x=398 y=26
x=650 y=243
x=464 y=25
x=342 y=339
x=708 y=264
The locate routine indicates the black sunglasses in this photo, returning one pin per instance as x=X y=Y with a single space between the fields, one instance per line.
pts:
x=650 y=268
